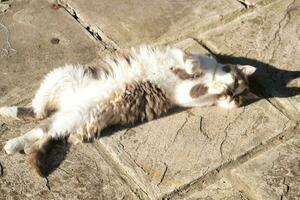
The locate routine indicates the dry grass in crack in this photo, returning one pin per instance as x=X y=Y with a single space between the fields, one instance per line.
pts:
x=6 y=49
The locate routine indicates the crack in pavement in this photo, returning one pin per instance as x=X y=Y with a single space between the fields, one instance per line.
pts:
x=48 y=183
x=286 y=190
x=1 y=170
x=246 y=4
x=201 y=128
x=286 y=19
x=134 y=160
x=96 y=32
x=164 y=174
x=226 y=132
x=137 y=187
x=213 y=175
x=180 y=128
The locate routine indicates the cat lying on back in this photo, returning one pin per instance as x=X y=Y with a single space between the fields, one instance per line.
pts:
x=138 y=86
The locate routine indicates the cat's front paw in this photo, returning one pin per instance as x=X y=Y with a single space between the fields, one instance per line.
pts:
x=228 y=102
x=216 y=87
x=40 y=115
x=13 y=146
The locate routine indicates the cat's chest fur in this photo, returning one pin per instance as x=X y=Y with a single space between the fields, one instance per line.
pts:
x=139 y=86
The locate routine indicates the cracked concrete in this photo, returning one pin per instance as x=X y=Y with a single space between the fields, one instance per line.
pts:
x=276 y=172
x=200 y=153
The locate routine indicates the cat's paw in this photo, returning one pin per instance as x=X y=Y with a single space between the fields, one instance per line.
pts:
x=11 y=111
x=40 y=115
x=227 y=102
x=217 y=88
x=14 y=145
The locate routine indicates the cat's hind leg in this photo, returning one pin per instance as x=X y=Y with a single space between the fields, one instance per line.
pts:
x=58 y=126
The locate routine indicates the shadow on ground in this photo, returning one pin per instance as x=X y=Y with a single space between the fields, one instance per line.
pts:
x=56 y=156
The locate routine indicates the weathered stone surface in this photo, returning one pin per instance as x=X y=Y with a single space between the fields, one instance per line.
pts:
x=158 y=157
x=3 y=7
x=270 y=35
x=29 y=27
x=275 y=174
x=249 y=3
x=222 y=189
x=128 y=23
x=82 y=175
x=179 y=148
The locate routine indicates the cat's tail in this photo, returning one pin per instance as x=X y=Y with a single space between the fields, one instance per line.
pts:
x=39 y=154
x=17 y=112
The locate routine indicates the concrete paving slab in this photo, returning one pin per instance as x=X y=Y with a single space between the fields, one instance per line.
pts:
x=222 y=189
x=269 y=37
x=274 y=174
x=44 y=38
x=35 y=38
x=84 y=174
x=173 y=151
x=128 y=23
x=164 y=155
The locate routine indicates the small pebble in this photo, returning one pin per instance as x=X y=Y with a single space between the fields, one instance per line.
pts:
x=55 y=40
x=55 y=6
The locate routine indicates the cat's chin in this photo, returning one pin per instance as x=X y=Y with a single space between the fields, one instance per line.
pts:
x=247 y=99
x=228 y=102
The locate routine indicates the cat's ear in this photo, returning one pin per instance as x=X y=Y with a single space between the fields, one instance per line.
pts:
x=247 y=69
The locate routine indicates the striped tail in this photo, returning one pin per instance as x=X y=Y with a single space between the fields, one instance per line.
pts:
x=17 y=112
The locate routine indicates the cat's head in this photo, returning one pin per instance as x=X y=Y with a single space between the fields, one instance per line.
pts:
x=203 y=77
x=226 y=80
x=235 y=77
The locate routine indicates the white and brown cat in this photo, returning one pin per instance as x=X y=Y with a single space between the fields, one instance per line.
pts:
x=137 y=86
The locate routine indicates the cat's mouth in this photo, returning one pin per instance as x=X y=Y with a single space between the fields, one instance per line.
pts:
x=242 y=98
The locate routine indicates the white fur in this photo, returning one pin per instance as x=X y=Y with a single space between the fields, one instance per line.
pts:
x=20 y=143
x=78 y=96
x=226 y=103
x=9 y=111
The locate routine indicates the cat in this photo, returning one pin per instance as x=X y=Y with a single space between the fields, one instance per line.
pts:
x=140 y=85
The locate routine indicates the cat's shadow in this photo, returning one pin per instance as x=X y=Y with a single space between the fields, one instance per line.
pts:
x=56 y=156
